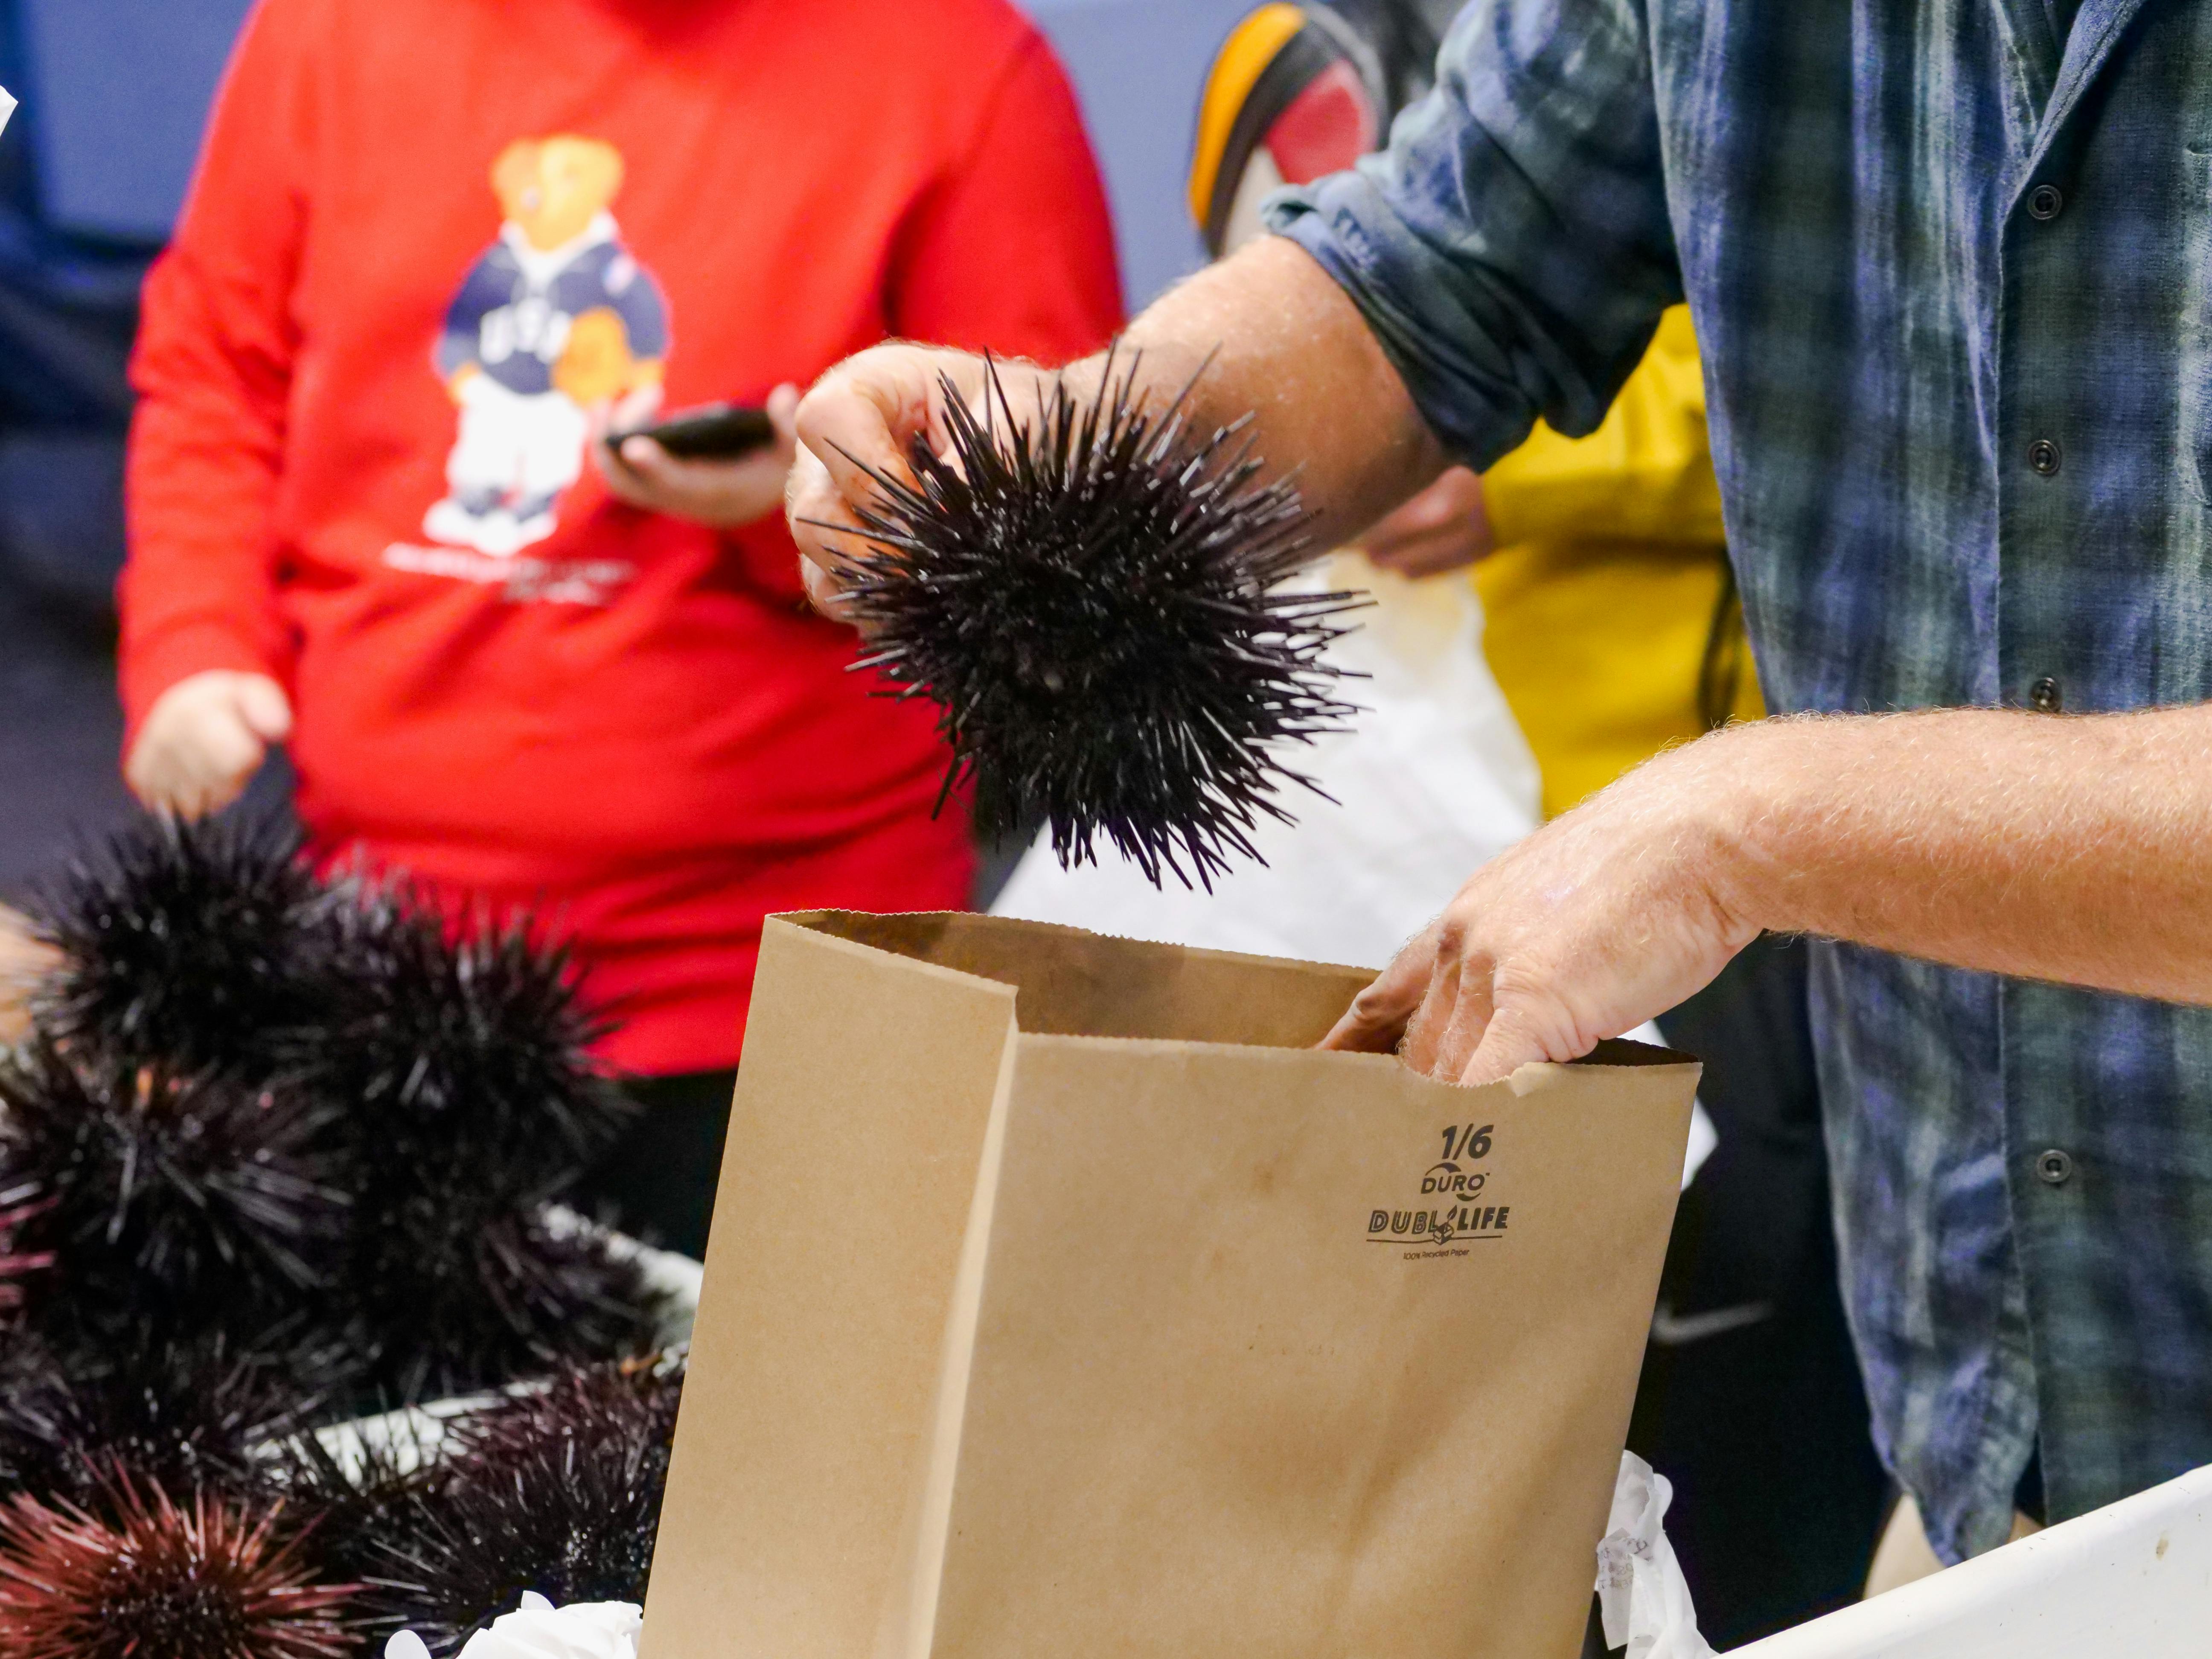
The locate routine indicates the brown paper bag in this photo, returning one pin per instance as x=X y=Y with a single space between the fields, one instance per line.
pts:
x=1063 y=1301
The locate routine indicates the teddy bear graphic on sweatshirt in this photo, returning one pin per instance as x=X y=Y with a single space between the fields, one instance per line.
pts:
x=555 y=320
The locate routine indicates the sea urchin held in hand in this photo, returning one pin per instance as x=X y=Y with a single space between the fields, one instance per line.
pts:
x=205 y=1580
x=1092 y=598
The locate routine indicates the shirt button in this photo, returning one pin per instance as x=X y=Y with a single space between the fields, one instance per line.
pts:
x=2053 y=1167
x=2045 y=697
x=2045 y=201
x=2042 y=456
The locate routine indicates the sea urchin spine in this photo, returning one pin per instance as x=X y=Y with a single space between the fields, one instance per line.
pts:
x=1091 y=596
x=187 y=1197
x=208 y=1580
x=556 y=1493
x=189 y=945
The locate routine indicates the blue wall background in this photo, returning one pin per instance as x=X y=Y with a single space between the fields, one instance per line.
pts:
x=116 y=91
x=1139 y=66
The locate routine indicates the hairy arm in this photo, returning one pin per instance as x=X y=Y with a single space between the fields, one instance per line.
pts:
x=2069 y=848
x=2066 y=848
x=1286 y=347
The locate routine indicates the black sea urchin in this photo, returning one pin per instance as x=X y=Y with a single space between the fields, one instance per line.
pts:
x=360 y=1490
x=1092 y=597
x=196 y=1202
x=451 y=1296
x=207 y=1579
x=469 y=1098
x=461 y=1055
x=195 y=945
x=557 y=1492
x=183 y=1412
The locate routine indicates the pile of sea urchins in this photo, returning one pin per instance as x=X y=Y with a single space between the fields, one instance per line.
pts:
x=279 y=1152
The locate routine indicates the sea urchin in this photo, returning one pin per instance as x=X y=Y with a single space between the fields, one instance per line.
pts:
x=460 y=1067
x=206 y=1580
x=1091 y=596
x=556 y=1491
x=199 y=1199
x=191 y=944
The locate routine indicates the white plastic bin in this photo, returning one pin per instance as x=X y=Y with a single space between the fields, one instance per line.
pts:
x=2133 y=1579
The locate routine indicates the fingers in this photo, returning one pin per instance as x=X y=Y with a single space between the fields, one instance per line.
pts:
x=265 y=709
x=782 y=407
x=211 y=766
x=1430 y=511
x=1443 y=1005
x=828 y=480
x=821 y=526
x=1427 y=556
x=1445 y=527
x=204 y=738
x=722 y=494
x=1376 y=1019
x=637 y=471
x=1430 y=1005
x=1456 y=1011
x=1457 y=1030
x=863 y=416
x=825 y=589
x=1610 y=914
x=189 y=788
x=634 y=409
x=1509 y=1041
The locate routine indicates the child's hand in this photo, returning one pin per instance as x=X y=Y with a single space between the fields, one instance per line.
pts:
x=720 y=493
x=204 y=738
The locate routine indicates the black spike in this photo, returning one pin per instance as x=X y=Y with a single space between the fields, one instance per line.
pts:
x=1092 y=598
x=191 y=945
x=189 y=1201
x=558 y=1491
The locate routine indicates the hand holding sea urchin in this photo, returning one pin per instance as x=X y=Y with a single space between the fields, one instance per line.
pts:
x=1092 y=597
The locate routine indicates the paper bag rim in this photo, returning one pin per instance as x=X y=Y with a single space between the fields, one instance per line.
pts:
x=1611 y=1053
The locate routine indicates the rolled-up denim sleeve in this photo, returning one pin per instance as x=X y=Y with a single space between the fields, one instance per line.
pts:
x=1510 y=248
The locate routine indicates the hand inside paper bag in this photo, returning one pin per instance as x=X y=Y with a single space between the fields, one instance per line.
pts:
x=1608 y=916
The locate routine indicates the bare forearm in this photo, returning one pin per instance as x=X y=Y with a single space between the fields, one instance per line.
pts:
x=1288 y=348
x=2060 y=848
x=2068 y=849
x=1279 y=342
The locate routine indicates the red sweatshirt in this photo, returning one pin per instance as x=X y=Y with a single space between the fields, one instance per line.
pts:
x=425 y=236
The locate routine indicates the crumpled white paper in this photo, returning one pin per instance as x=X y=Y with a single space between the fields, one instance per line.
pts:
x=1642 y=1596
x=539 y=1629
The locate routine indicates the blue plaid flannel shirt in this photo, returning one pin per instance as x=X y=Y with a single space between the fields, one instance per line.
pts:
x=1950 y=263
